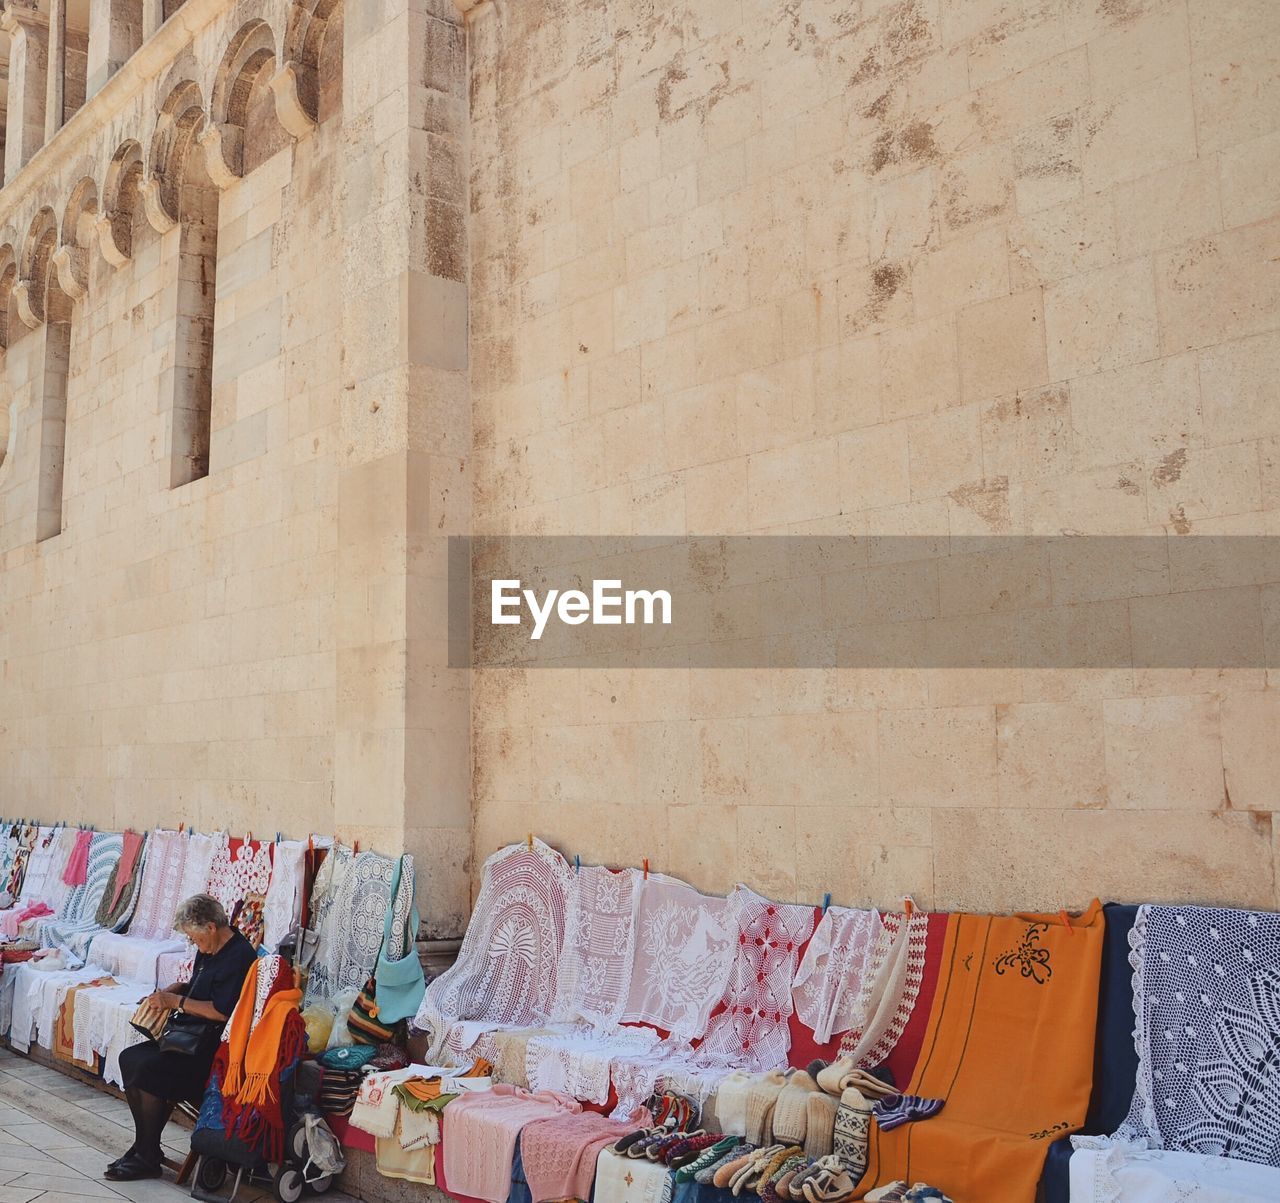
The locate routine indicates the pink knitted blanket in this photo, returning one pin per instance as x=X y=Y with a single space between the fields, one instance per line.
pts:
x=560 y=1154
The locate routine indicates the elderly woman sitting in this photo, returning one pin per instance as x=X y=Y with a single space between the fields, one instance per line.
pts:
x=154 y=1079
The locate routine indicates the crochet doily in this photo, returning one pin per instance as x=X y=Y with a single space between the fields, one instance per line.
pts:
x=595 y=970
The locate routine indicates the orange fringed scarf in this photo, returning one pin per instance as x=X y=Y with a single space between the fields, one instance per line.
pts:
x=265 y=1038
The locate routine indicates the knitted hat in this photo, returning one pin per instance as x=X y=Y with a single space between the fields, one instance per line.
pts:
x=761 y=1098
x=820 y=1124
x=789 y=1114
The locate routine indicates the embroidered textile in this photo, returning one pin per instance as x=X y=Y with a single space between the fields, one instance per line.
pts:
x=577 y=1061
x=599 y=942
x=752 y=1029
x=1009 y=1048
x=506 y=971
x=16 y=871
x=833 y=969
x=1132 y=1175
x=632 y=1180
x=129 y=853
x=377 y=1103
x=37 y=995
x=40 y=866
x=133 y=957
x=1206 y=996
x=559 y=1155
x=684 y=951
x=283 y=907
x=102 y=1026
x=52 y=890
x=889 y=990
x=480 y=1136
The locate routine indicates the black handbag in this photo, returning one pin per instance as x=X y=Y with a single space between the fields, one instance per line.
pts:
x=189 y=1035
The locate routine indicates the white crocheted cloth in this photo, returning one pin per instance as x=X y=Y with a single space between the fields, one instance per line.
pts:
x=599 y=944
x=1121 y=1175
x=506 y=971
x=577 y=1061
x=685 y=946
x=752 y=1031
x=283 y=904
x=831 y=973
x=1206 y=997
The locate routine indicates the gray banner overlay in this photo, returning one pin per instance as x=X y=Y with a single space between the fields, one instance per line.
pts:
x=809 y=601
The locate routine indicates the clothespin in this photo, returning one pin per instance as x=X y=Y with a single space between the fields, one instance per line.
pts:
x=1067 y=920
x=577 y=863
x=529 y=838
x=357 y=847
x=646 y=868
x=909 y=906
x=826 y=902
x=181 y=828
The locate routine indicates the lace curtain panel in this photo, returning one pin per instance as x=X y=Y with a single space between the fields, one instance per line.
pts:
x=507 y=968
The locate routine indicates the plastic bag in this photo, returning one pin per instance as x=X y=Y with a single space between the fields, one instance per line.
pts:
x=322 y=1146
x=340 y=1005
x=319 y=1020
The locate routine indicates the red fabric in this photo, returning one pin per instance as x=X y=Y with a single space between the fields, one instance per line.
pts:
x=76 y=869
x=128 y=861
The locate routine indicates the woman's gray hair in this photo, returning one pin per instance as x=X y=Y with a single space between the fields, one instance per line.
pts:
x=200 y=910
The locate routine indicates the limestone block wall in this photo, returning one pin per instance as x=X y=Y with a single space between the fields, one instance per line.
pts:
x=169 y=654
x=944 y=267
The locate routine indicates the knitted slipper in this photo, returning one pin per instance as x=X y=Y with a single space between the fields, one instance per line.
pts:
x=923 y=1193
x=820 y=1124
x=706 y=1175
x=830 y=1162
x=828 y=1186
x=892 y=1193
x=725 y=1172
x=623 y=1143
x=832 y=1078
x=786 y=1170
x=749 y=1175
x=706 y=1158
x=853 y=1126
x=773 y=1165
x=899 y=1109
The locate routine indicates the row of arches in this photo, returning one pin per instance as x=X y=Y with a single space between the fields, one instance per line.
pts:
x=266 y=90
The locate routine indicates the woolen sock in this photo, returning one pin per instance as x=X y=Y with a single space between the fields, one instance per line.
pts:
x=853 y=1126
x=761 y=1099
x=820 y=1123
x=790 y=1112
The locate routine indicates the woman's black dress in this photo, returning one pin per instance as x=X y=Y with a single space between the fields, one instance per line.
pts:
x=175 y=1076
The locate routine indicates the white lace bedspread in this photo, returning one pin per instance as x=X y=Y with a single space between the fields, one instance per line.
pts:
x=1163 y=1176
x=599 y=944
x=1206 y=997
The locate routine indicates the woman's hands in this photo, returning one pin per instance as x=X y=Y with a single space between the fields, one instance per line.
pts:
x=165 y=998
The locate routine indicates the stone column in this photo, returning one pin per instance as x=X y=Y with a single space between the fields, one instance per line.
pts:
x=28 y=32
x=152 y=17
x=55 y=102
x=115 y=32
x=402 y=761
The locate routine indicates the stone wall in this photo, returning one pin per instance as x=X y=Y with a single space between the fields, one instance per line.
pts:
x=943 y=267
x=169 y=654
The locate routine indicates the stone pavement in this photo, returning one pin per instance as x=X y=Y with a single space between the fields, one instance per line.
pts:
x=57 y=1135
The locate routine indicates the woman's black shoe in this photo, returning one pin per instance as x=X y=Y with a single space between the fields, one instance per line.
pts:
x=132 y=1168
x=119 y=1161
